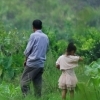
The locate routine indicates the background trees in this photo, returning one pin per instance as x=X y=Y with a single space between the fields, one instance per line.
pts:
x=63 y=21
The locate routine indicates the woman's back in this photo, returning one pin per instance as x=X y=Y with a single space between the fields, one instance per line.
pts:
x=67 y=61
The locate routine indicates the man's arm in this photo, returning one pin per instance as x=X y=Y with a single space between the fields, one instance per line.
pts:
x=28 y=48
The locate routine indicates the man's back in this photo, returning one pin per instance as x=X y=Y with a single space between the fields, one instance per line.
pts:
x=36 y=49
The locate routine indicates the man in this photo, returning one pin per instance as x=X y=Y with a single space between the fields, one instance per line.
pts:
x=35 y=53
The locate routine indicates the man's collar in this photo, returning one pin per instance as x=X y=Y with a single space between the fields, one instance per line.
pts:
x=40 y=31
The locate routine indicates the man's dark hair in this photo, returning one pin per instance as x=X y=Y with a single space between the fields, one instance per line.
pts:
x=37 y=24
x=71 y=47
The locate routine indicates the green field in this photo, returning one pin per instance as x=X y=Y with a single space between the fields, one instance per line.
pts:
x=64 y=21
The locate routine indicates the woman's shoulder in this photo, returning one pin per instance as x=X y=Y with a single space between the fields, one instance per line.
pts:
x=61 y=56
x=74 y=57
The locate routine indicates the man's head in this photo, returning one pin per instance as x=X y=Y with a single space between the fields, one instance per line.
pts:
x=37 y=24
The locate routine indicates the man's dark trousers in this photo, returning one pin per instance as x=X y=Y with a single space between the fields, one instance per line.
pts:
x=33 y=74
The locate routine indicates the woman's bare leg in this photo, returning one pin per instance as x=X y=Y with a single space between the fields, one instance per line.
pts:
x=64 y=92
x=71 y=94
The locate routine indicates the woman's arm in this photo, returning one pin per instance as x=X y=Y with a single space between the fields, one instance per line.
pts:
x=58 y=66
x=80 y=59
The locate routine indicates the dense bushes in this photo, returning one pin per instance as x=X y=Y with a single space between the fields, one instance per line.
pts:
x=63 y=21
x=12 y=45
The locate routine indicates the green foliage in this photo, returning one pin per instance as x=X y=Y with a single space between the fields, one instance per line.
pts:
x=93 y=72
x=71 y=22
x=78 y=22
x=61 y=45
x=12 y=45
x=9 y=90
x=88 y=43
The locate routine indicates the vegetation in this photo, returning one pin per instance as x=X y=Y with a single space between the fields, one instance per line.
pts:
x=63 y=21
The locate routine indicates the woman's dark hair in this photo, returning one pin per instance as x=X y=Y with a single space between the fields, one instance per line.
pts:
x=37 y=24
x=71 y=47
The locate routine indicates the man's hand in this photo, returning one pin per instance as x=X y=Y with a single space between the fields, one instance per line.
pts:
x=24 y=64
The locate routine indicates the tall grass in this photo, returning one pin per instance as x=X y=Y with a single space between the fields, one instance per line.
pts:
x=50 y=91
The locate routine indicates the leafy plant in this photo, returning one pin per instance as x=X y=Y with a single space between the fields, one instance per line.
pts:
x=93 y=72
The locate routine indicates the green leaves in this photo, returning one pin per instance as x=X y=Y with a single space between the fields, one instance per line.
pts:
x=9 y=90
x=7 y=62
x=11 y=53
x=61 y=45
x=93 y=72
